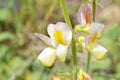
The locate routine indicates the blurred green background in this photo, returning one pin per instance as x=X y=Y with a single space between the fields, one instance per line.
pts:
x=19 y=48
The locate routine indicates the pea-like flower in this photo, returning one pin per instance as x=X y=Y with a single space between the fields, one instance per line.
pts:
x=83 y=75
x=58 y=42
x=98 y=51
x=95 y=31
x=85 y=15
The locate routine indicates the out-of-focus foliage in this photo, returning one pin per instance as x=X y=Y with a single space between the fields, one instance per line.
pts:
x=19 y=48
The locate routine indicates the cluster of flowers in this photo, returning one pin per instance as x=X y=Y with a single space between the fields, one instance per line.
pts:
x=60 y=37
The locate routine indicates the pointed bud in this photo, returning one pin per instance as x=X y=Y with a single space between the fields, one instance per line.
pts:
x=83 y=76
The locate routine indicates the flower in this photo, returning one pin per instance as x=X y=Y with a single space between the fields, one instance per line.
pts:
x=58 y=43
x=98 y=51
x=86 y=23
x=95 y=31
x=84 y=18
x=83 y=76
x=85 y=15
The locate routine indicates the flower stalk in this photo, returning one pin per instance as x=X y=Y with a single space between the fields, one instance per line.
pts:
x=94 y=10
x=88 y=62
x=67 y=20
x=89 y=55
x=65 y=13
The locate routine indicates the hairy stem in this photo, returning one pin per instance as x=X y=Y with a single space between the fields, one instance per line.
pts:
x=67 y=20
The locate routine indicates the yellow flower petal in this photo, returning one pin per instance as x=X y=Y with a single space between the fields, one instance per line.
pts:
x=93 y=38
x=97 y=51
x=61 y=52
x=59 y=38
x=47 y=56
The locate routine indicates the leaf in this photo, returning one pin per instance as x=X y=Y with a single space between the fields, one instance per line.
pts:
x=15 y=62
x=17 y=22
x=5 y=14
x=4 y=51
x=6 y=36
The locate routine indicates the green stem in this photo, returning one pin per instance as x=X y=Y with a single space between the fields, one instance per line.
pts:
x=65 y=13
x=89 y=55
x=67 y=20
x=74 y=57
x=94 y=10
x=88 y=63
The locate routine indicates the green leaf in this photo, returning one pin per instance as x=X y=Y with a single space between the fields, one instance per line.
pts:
x=3 y=51
x=15 y=63
x=4 y=14
x=6 y=36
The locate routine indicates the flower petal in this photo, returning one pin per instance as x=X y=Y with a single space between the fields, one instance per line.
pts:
x=47 y=56
x=51 y=29
x=56 y=35
x=97 y=51
x=91 y=39
x=60 y=33
x=97 y=27
x=61 y=52
x=95 y=30
x=85 y=14
x=66 y=31
x=45 y=39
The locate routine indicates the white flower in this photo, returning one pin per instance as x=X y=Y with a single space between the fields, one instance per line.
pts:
x=58 y=42
x=85 y=19
x=98 y=51
x=95 y=31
